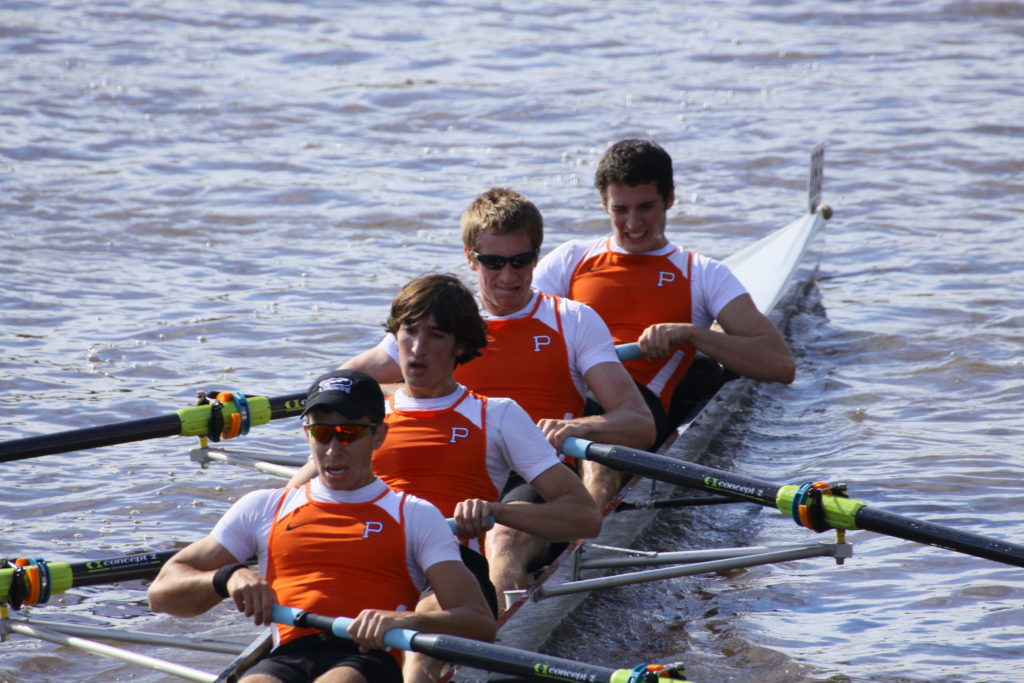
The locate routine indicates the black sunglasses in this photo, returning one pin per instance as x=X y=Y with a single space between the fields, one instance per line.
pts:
x=495 y=262
x=346 y=433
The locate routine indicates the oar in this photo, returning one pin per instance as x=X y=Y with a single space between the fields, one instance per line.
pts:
x=39 y=579
x=474 y=653
x=51 y=578
x=839 y=512
x=192 y=421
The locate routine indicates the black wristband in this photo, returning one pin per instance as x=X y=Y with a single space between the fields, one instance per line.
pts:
x=221 y=576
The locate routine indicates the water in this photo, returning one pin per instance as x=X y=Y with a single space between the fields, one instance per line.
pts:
x=227 y=195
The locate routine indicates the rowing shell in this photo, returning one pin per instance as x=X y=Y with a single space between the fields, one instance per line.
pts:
x=777 y=271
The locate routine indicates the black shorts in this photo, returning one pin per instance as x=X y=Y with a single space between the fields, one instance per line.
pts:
x=481 y=571
x=306 y=658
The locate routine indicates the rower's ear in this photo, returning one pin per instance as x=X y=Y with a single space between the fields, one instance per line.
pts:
x=671 y=199
x=379 y=435
x=469 y=258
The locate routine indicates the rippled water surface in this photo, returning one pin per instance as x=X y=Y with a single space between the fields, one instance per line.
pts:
x=198 y=195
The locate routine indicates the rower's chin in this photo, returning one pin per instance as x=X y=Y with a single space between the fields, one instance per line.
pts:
x=334 y=476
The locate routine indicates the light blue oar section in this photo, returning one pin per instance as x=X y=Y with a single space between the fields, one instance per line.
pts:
x=455 y=527
x=399 y=638
x=576 y=447
x=628 y=351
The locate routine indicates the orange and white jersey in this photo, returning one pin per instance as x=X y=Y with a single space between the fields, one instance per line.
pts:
x=633 y=291
x=537 y=356
x=338 y=552
x=460 y=446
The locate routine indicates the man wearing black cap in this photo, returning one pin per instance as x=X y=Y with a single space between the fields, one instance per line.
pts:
x=342 y=545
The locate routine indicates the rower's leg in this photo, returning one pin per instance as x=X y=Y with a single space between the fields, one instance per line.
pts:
x=342 y=674
x=510 y=553
x=417 y=667
x=601 y=482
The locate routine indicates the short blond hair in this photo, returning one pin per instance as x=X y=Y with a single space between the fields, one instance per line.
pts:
x=501 y=211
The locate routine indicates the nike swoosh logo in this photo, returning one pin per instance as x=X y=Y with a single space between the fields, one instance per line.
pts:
x=289 y=527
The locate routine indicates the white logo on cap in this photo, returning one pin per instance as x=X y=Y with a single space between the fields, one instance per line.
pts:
x=336 y=384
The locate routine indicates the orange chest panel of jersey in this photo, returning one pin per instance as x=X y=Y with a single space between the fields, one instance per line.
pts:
x=631 y=292
x=526 y=360
x=437 y=455
x=338 y=559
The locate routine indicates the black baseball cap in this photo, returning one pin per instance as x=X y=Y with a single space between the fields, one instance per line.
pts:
x=349 y=392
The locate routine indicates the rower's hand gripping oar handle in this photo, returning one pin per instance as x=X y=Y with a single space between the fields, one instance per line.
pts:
x=453 y=525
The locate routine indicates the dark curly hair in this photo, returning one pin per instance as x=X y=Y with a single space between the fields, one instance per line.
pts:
x=635 y=162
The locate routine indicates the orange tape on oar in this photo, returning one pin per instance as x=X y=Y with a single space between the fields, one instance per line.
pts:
x=30 y=581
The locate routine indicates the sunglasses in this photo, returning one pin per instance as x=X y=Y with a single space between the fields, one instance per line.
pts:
x=495 y=262
x=346 y=433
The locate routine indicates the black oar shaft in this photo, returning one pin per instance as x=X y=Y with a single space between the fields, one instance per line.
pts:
x=506 y=660
x=121 y=568
x=929 y=533
x=90 y=437
x=123 y=432
x=682 y=473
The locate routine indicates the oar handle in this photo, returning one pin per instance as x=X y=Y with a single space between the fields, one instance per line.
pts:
x=398 y=638
x=628 y=351
x=453 y=525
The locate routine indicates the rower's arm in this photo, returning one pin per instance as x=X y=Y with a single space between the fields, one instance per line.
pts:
x=184 y=586
x=626 y=421
x=457 y=607
x=568 y=513
x=750 y=345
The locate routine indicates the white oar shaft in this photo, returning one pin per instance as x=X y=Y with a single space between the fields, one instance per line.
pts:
x=179 y=670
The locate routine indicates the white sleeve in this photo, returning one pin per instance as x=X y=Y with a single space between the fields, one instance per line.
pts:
x=244 y=528
x=515 y=442
x=389 y=345
x=713 y=287
x=429 y=539
x=589 y=338
x=554 y=271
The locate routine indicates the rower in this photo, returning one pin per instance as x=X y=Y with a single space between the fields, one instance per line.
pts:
x=343 y=544
x=457 y=448
x=652 y=292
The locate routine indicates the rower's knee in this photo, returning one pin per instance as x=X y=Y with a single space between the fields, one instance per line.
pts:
x=419 y=668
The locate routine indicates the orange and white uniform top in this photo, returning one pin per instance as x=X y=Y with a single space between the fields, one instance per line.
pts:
x=537 y=356
x=634 y=291
x=460 y=446
x=338 y=552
